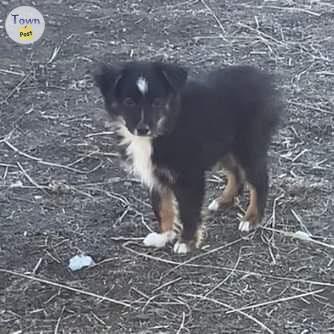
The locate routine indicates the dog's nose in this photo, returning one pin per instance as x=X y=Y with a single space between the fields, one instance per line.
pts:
x=143 y=130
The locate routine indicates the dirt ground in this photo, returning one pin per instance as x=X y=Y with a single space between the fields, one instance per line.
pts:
x=63 y=191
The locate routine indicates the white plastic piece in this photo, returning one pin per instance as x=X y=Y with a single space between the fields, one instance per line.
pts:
x=78 y=262
x=302 y=235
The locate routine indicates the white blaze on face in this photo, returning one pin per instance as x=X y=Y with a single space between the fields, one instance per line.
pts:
x=142 y=85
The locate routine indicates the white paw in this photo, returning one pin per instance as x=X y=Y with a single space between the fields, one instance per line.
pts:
x=244 y=226
x=154 y=239
x=181 y=248
x=214 y=205
x=158 y=240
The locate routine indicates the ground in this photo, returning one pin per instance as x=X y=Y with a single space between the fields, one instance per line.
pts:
x=63 y=190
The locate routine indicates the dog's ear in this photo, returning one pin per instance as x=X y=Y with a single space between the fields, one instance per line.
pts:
x=106 y=78
x=175 y=75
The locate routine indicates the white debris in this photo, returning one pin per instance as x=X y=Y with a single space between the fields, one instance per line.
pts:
x=308 y=237
x=78 y=262
x=302 y=235
x=17 y=184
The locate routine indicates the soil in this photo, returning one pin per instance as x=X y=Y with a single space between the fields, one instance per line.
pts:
x=64 y=191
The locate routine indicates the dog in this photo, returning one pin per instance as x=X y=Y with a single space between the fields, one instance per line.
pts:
x=173 y=130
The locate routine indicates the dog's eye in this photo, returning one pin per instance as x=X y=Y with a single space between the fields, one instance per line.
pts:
x=158 y=102
x=129 y=102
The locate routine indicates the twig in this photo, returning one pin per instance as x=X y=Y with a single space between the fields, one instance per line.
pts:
x=271 y=240
x=54 y=54
x=298 y=218
x=179 y=264
x=39 y=160
x=11 y=72
x=103 y=133
x=215 y=17
x=250 y=317
x=98 y=319
x=325 y=73
x=16 y=88
x=296 y=236
x=294 y=9
x=63 y=286
x=284 y=299
x=308 y=106
x=126 y=238
x=59 y=320
x=182 y=323
x=262 y=34
x=38 y=264
x=145 y=224
x=166 y=284
x=29 y=178
x=6 y=165
x=299 y=155
x=178 y=4
x=226 y=278
x=204 y=254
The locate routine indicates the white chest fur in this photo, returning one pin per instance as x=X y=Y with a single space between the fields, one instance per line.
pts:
x=139 y=151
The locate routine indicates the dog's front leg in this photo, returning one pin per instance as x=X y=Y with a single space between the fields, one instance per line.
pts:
x=164 y=207
x=189 y=194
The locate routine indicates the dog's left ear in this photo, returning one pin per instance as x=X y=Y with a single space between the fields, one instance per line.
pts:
x=175 y=75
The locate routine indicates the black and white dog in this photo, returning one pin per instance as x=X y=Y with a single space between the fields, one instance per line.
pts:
x=173 y=130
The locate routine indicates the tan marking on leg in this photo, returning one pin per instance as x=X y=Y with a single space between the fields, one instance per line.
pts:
x=235 y=178
x=230 y=191
x=252 y=210
x=199 y=236
x=167 y=211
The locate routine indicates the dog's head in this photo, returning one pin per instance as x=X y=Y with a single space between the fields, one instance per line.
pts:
x=144 y=96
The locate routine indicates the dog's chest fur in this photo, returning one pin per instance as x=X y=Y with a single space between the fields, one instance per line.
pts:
x=139 y=156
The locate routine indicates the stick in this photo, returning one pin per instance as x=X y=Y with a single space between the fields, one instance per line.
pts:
x=204 y=254
x=182 y=323
x=262 y=325
x=295 y=236
x=39 y=160
x=63 y=286
x=16 y=88
x=220 y=25
x=289 y=279
x=30 y=179
x=276 y=301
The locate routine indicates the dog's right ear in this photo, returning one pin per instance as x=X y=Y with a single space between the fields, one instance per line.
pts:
x=175 y=75
x=106 y=78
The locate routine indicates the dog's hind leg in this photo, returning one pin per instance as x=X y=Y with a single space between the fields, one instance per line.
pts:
x=164 y=208
x=257 y=178
x=234 y=175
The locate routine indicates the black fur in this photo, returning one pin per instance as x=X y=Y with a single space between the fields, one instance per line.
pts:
x=234 y=112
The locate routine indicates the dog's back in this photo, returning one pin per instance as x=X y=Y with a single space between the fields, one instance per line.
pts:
x=235 y=110
x=248 y=96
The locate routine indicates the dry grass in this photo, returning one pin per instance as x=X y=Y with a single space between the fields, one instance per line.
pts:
x=63 y=191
